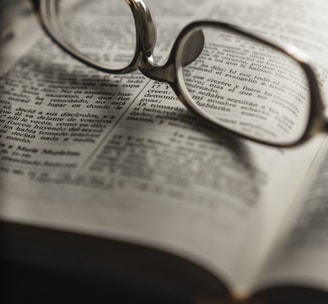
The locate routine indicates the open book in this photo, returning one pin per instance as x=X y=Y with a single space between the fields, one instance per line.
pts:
x=112 y=169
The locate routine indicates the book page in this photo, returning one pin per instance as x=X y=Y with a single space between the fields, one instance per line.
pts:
x=300 y=23
x=301 y=257
x=119 y=155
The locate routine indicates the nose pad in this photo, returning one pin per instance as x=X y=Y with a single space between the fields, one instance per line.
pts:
x=193 y=47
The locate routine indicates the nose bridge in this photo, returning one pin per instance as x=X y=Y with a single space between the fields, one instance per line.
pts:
x=146 y=40
x=145 y=26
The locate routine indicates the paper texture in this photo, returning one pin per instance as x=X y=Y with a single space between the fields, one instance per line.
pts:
x=120 y=156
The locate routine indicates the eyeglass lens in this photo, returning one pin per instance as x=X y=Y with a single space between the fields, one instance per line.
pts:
x=235 y=82
x=248 y=87
x=102 y=30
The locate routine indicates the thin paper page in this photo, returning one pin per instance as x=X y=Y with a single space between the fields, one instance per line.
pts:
x=120 y=156
x=301 y=257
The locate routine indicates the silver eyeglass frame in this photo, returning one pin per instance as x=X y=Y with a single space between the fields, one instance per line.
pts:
x=170 y=72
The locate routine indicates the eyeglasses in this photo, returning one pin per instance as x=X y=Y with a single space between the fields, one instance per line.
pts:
x=228 y=76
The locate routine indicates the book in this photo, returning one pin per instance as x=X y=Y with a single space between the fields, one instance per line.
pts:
x=110 y=176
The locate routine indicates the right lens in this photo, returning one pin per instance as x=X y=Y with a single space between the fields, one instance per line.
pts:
x=245 y=85
x=102 y=30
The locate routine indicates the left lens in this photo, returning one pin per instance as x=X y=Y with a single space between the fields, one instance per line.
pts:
x=102 y=30
x=245 y=85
